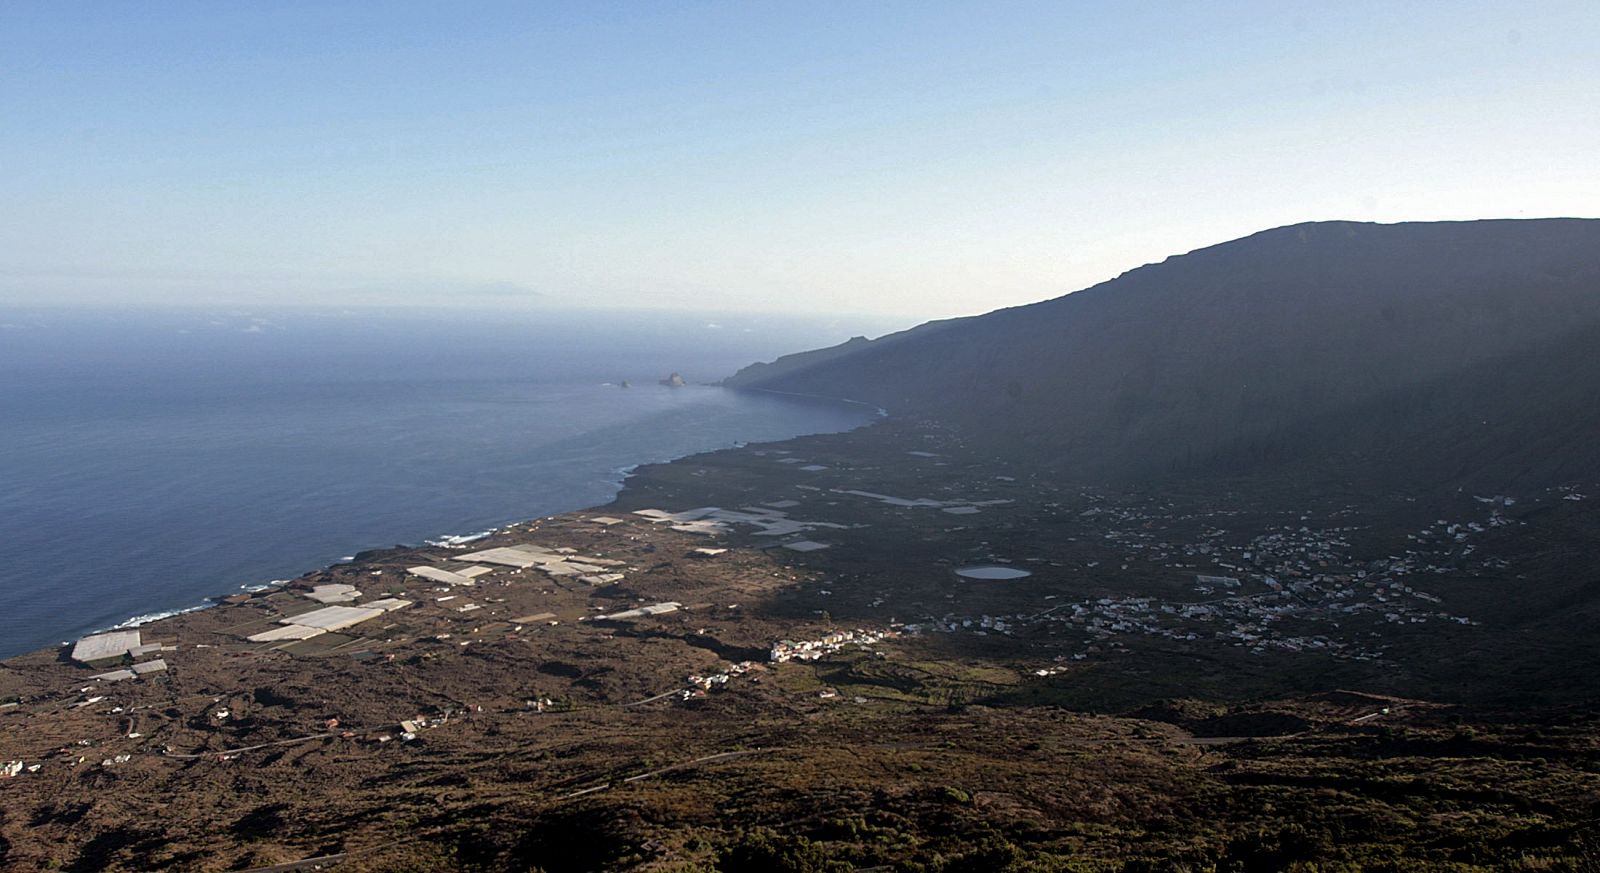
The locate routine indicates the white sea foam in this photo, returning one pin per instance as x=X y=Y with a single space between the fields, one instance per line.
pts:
x=149 y=617
x=459 y=539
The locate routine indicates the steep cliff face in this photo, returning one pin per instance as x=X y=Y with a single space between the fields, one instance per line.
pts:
x=1445 y=352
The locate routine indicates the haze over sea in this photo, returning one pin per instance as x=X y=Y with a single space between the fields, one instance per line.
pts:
x=152 y=458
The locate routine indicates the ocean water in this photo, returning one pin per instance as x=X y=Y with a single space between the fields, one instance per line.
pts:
x=151 y=459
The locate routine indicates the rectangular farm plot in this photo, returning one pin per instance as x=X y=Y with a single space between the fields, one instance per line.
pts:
x=334 y=618
x=286 y=632
x=101 y=647
x=330 y=618
x=436 y=574
x=520 y=557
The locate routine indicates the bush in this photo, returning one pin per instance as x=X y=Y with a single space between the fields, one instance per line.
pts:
x=952 y=794
x=765 y=851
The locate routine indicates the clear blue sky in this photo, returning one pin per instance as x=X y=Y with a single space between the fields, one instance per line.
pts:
x=918 y=159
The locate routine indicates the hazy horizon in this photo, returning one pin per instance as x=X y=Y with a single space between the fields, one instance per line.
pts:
x=897 y=161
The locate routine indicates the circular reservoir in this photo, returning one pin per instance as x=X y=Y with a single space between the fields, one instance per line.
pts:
x=991 y=572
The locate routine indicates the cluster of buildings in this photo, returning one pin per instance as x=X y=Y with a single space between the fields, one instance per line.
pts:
x=1292 y=588
x=982 y=624
x=415 y=725
x=811 y=650
x=717 y=680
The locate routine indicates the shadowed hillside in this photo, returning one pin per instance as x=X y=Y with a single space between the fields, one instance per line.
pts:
x=1441 y=353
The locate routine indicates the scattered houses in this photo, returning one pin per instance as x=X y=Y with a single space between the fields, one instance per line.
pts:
x=811 y=650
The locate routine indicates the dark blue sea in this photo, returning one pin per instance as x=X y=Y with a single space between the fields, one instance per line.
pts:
x=152 y=458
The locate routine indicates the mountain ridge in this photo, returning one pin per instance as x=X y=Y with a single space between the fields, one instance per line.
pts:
x=1191 y=365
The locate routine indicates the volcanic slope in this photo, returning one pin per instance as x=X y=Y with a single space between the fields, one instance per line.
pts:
x=1457 y=353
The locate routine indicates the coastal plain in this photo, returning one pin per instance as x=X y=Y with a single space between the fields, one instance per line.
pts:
x=765 y=658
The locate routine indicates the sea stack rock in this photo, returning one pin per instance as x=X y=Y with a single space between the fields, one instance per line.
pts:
x=674 y=381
